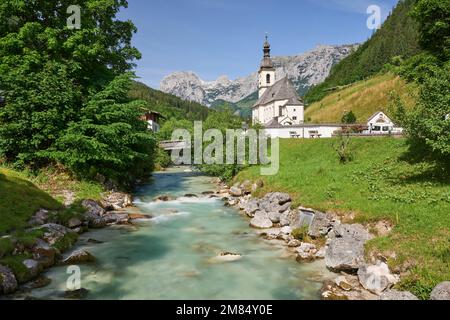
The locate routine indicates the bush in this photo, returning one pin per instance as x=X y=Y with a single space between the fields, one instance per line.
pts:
x=342 y=148
x=348 y=118
x=162 y=160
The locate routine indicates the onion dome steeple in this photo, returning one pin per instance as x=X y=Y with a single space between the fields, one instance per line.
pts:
x=267 y=62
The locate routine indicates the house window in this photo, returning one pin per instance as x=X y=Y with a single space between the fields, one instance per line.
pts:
x=268 y=79
x=376 y=128
x=386 y=129
x=294 y=118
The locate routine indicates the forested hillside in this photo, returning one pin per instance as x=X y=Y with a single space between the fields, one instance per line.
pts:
x=397 y=40
x=169 y=105
x=243 y=108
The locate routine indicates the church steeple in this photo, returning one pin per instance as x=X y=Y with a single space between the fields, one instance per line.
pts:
x=267 y=47
x=267 y=70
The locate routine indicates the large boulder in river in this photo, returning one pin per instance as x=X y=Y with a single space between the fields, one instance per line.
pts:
x=33 y=269
x=41 y=217
x=74 y=223
x=276 y=205
x=441 y=292
x=116 y=218
x=275 y=201
x=55 y=233
x=321 y=225
x=376 y=278
x=250 y=208
x=236 y=192
x=396 y=295
x=346 y=248
x=226 y=257
x=93 y=208
x=118 y=200
x=8 y=282
x=44 y=253
x=163 y=198
x=246 y=187
x=94 y=214
x=261 y=220
x=78 y=257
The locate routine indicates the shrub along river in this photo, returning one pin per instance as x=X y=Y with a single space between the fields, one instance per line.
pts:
x=171 y=256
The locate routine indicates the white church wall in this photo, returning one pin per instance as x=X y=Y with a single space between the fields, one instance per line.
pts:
x=296 y=113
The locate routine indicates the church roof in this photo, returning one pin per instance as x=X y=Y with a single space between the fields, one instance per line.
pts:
x=273 y=123
x=281 y=90
x=267 y=64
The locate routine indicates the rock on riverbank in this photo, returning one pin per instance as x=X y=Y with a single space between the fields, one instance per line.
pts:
x=312 y=235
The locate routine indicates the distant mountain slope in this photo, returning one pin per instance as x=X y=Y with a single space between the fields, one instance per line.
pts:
x=363 y=98
x=304 y=70
x=169 y=105
x=243 y=107
x=397 y=37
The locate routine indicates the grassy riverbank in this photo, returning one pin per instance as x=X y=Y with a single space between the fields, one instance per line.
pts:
x=23 y=193
x=381 y=183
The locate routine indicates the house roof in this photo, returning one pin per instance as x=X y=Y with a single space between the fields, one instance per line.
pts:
x=152 y=112
x=376 y=114
x=281 y=90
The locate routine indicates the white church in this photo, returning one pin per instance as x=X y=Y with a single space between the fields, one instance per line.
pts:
x=279 y=102
x=281 y=110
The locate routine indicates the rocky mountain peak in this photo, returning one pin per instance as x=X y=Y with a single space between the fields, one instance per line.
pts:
x=304 y=70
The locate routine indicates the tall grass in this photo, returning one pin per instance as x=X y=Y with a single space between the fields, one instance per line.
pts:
x=364 y=98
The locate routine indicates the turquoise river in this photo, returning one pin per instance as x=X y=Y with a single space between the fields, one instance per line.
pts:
x=171 y=256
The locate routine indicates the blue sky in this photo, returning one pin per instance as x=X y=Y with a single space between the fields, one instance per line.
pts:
x=224 y=37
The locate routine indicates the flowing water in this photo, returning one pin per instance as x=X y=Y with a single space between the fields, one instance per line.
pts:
x=172 y=255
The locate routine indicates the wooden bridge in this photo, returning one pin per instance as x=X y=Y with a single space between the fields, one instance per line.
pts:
x=175 y=145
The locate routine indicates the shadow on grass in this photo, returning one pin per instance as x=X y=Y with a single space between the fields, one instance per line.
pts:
x=435 y=170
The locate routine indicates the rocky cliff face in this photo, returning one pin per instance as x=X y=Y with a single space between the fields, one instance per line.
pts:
x=304 y=70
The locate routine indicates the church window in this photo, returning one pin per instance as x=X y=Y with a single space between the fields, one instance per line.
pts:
x=268 y=78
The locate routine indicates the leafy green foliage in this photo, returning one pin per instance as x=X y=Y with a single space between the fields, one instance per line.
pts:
x=109 y=139
x=433 y=17
x=429 y=124
x=397 y=37
x=168 y=105
x=222 y=121
x=167 y=129
x=348 y=118
x=65 y=90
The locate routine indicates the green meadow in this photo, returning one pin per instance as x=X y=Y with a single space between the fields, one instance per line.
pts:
x=382 y=182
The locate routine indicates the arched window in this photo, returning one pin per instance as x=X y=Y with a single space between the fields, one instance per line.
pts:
x=268 y=78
